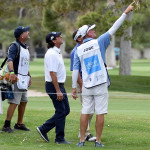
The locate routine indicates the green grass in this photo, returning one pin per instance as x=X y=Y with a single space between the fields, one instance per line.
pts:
x=136 y=84
x=37 y=67
x=139 y=67
x=126 y=125
x=128 y=121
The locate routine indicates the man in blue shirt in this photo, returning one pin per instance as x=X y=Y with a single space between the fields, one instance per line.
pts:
x=91 y=56
x=79 y=40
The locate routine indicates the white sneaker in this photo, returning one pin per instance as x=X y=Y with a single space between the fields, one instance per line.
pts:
x=90 y=138
x=79 y=135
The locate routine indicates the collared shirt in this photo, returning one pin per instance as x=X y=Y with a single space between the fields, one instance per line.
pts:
x=53 y=62
x=103 y=41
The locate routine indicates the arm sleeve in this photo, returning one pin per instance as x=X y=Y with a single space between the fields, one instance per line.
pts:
x=12 y=52
x=117 y=24
x=72 y=60
x=74 y=78
x=76 y=62
x=76 y=67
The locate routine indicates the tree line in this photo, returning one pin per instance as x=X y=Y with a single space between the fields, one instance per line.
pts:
x=67 y=15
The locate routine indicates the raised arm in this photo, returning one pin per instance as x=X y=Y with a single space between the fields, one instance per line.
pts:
x=119 y=22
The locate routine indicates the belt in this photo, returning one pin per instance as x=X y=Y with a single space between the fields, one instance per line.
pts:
x=52 y=83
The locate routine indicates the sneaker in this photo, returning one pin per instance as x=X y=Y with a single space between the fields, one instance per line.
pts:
x=80 y=144
x=8 y=130
x=63 y=142
x=90 y=138
x=99 y=144
x=42 y=134
x=21 y=127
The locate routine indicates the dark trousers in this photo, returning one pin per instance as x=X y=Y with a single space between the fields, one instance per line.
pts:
x=62 y=109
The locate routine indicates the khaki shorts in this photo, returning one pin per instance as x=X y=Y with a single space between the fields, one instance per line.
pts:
x=95 y=99
x=19 y=96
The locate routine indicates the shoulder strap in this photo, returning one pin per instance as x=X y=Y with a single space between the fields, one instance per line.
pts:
x=18 y=51
x=3 y=63
x=18 y=47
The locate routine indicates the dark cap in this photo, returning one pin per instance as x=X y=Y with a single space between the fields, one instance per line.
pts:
x=51 y=36
x=19 y=30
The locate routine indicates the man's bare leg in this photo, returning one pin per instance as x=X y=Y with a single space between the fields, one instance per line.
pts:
x=99 y=126
x=21 y=111
x=7 y=123
x=83 y=126
x=10 y=111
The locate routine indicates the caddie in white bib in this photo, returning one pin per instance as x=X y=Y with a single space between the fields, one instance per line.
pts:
x=23 y=69
x=93 y=69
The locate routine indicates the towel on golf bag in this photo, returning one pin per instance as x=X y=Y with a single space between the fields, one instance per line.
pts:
x=1 y=105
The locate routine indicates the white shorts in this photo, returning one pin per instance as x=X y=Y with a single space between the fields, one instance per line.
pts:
x=95 y=99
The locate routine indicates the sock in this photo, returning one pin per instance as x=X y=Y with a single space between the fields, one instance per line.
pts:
x=7 y=123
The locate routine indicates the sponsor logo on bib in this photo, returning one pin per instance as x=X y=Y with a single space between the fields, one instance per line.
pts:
x=92 y=64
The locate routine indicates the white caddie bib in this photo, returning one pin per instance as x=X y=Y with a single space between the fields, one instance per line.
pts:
x=93 y=69
x=23 y=69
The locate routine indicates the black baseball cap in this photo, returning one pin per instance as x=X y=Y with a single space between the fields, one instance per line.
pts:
x=19 y=30
x=51 y=36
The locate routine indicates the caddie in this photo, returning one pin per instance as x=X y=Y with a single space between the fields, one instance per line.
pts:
x=91 y=56
x=18 y=66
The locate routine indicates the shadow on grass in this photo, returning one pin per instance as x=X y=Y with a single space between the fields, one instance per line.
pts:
x=135 y=84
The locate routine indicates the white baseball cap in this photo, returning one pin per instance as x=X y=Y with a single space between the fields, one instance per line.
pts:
x=84 y=30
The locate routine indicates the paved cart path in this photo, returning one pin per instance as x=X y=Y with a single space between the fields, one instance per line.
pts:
x=33 y=93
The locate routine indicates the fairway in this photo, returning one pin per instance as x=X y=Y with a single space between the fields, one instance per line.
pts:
x=139 y=67
x=126 y=124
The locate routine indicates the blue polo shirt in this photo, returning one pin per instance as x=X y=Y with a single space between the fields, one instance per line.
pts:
x=103 y=41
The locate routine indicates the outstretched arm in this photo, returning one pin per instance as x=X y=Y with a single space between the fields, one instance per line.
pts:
x=129 y=8
x=119 y=22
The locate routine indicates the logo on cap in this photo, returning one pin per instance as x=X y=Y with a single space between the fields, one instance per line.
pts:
x=52 y=37
x=53 y=32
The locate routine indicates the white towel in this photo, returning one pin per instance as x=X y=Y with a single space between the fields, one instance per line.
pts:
x=1 y=105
